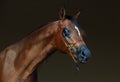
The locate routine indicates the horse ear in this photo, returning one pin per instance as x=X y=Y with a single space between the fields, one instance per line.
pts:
x=62 y=13
x=77 y=15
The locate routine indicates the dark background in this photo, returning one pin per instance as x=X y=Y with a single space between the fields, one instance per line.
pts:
x=100 y=20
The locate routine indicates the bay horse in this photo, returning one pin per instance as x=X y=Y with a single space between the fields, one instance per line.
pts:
x=19 y=60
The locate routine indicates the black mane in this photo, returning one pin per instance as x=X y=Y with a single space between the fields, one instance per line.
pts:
x=72 y=19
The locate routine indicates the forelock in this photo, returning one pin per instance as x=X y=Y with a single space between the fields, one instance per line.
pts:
x=74 y=21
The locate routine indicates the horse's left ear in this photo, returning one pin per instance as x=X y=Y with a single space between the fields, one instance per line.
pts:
x=62 y=13
x=77 y=15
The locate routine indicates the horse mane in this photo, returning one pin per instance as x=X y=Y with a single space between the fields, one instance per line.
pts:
x=72 y=19
x=66 y=17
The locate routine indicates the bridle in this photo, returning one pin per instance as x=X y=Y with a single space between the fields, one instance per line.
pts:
x=69 y=47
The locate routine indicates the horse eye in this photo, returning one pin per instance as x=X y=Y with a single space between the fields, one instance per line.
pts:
x=67 y=32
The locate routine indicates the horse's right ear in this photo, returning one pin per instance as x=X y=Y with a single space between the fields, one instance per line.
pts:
x=77 y=15
x=62 y=13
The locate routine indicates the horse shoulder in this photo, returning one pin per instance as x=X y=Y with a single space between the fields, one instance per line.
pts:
x=7 y=57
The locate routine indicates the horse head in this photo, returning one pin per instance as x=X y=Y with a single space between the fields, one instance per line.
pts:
x=69 y=38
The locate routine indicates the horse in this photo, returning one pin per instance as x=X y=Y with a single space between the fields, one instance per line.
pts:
x=18 y=61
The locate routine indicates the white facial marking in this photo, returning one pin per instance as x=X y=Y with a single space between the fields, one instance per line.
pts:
x=77 y=30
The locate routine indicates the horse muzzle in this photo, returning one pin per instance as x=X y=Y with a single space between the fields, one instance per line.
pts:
x=83 y=54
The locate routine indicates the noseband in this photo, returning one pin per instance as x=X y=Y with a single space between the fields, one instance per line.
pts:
x=69 y=47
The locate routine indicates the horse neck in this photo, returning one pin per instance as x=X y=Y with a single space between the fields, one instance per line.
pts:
x=35 y=48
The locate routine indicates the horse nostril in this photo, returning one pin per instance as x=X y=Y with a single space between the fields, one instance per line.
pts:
x=86 y=52
x=83 y=53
